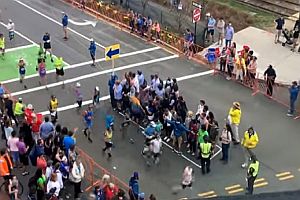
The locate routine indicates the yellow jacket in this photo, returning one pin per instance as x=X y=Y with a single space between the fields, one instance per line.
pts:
x=235 y=115
x=240 y=63
x=250 y=142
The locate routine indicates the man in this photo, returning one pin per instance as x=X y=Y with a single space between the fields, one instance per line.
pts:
x=92 y=50
x=270 y=76
x=19 y=110
x=88 y=119
x=65 y=21
x=235 y=119
x=155 y=147
x=221 y=30
x=9 y=104
x=11 y=29
x=53 y=105
x=295 y=39
x=68 y=141
x=229 y=32
x=252 y=174
x=279 y=26
x=2 y=44
x=134 y=186
x=46 y=128
x=211 y=22
x=6 y=165
x=294 y=91
x=47 y=45
x=206 y=149
x=59 y=62
x=249 y=143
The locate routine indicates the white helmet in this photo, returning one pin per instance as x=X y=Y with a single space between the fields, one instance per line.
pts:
x=29 y=106
x=97 y=88
x=78 y=84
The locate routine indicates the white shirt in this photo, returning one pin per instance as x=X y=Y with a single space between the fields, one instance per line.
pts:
x=59 y=179
x=156 y=145
x=52 y=184
x=187 y=176
x=8 y=131
x=11 y=27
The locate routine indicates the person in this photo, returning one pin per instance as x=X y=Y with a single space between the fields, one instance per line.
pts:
x=201 y=134
x=77 y=175
x=9 y=104
x=111 y=83
x=279 y=27
x=68 y=141
x=8 y=129
x=252 y=172
x=47 y=45
x=53 y=105
x=88 y=120
x=108 y=134
x=6 y=165
x=223 y=60
x=65 y=21
x=41 y=184
x=96 y=97
x=120 y=195
x=59 y=62
x=78 y=94
x=229 y=32
x=294 y=91
x=19 y=110
x=270 y=76
x=46 y=128
x=211 y=22
x=134 y=186
x=23 y=151
x=13 y=148
x=22 y=70
x=234 y=118
x=13 y=187
x=41 y=68
x=206 y=150
x=53 y=185
x=221 y=30
x=251 y=71
x=2 y=44
x=249 y=143
x=155 y=148
x=92 y=50
x=240 y=67
x=11 y=29
x=295 y=39
x=226 y=139
x=187 y=177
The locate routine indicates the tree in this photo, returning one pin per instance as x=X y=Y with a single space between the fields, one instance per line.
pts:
x=144 y=5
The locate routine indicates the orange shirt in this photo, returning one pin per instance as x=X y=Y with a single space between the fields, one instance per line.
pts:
x=5 y=166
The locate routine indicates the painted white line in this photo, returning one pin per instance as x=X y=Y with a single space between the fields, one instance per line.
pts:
x=85 y=63
x=56 y=22
x=218 y=152
x=93 y=75
x=20 y=34
x=20 y=47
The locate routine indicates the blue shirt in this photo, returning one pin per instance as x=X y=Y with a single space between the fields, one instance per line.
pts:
x=229 y=33
x=294 y=91
x=92 y=48
x=68 y=142
x=141 y=79
x=46 y=39
x=118 y=92
x=109 y=121
x=64 y=20
x=88 y=116
x=2 y=91
x=45 y=129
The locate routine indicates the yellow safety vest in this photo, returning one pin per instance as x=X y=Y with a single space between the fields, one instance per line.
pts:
x=19 y=109
x=53 y=104
x=205 y=149
x=2 y=43
x=58 y=63
x=255 y=166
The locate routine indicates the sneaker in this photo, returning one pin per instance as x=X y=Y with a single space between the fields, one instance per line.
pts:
x=165 y=138
x=228 y=78
x=84 y=132
x=168 y=140
x=193 y=154
x=90 y=140
x=289 y=114
x=244 y=165
x=188 y=151
x=109 y=155
x=25 y=87
x=25 y=173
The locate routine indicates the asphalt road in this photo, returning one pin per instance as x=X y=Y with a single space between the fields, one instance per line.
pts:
x=279 y=135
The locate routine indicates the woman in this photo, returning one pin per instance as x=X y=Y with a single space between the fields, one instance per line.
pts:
x=78 y=95
x=108 y=140
x=251 y=70
x=225 y=141
x=187 y=177
x=22 y=70
x=192 y=137
x=41 y=184
x=23 y=151
x=230 y=63
x=41 y=68
x=13 y=188
x=77 y=175
x=96 y=97
x=49 y=146
x=53 y=185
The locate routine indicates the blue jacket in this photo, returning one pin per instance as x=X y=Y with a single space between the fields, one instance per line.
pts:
x=109 y=121
x=134 y=185
x=294 y=91
x=178 y=128
x=149 y=130
x=64 y=20
x=111 y=84
x=92 y=48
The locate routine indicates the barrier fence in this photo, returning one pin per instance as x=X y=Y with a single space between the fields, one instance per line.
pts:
x=121 y=18
x=94 y=173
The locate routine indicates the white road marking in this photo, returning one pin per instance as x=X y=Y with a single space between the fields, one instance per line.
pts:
x=56 y=22
x=93 y=75
x=86 y=22
x=20 y=34
x=85 y=63
x=20 y=47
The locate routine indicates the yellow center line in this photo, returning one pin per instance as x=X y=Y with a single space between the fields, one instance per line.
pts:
x=206 y=193
x=236 y=191
x=233 y=187
x=283 y=174
x=260 y=184
x=286 y=177
x=211 y=196
x=259 y=180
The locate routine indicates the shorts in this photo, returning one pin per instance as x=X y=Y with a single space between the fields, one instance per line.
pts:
x=252 y=75
x=47 y=45
x=24 y=159
x=93 y=56
x=88 y=124
x=65 y=27
x=108 y=144
x=156 y=155
x=210 y=31
x=60 y=72
x=184 y=186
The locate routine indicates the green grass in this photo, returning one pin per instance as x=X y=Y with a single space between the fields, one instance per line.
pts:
x=8 y=63
x=261 y=18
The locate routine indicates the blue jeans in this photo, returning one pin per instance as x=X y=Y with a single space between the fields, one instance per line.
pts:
x=15 y=156
x=225 y=149
x=292 y=106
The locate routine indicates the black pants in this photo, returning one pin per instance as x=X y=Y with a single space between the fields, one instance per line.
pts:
x=79 y=102
x=229 y=69
x=205 y=164
x=40 y=194
x=77 y=189
x=251 y=180
x=270 y=83
x=222 y=65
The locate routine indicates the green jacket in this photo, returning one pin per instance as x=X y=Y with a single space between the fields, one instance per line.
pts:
x=201 y=134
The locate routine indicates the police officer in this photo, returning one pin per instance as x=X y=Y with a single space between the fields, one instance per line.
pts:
x=59 y=68
x=19 y=110
x=205 y=152
x=53 y=108
x=252 y=174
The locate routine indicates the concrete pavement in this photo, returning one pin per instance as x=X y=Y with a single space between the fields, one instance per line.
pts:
x=278 y=145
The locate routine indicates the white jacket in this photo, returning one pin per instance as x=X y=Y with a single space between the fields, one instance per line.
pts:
x=77 y=172
x=187 y=176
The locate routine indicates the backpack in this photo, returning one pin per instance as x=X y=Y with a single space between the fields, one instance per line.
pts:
x=32 y=185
